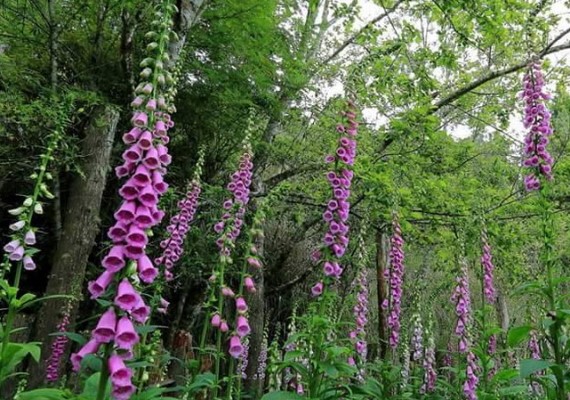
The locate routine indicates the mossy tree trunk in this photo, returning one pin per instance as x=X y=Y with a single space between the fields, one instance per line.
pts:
x=80 y=226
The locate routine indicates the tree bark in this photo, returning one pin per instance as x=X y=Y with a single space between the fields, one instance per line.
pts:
x=502 y=311
x=189 y=13
x=381 y=264
x=80 y=227
x=256 y=302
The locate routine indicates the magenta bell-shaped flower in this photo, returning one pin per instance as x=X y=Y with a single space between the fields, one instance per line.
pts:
x=126 y=336
x=140 y=312
x=127 y=296
x=216 y=320
x=91 y=347
x=98 y=286
x=126 y=212
x=236 y=347
x=118 y=371
x=115 y=259
x=140 y=119
x=132 y=136
x=118 y=232
x=317 y=289
x=147 y=271
x=249 y=284
x=123 y=391
x=241 y=305
x=242 y=326
x=104 y=332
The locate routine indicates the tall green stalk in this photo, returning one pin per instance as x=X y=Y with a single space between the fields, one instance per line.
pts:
x=39 y=189
x=549 y=263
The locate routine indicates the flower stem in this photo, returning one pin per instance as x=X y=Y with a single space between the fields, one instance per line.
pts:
x=104 y=377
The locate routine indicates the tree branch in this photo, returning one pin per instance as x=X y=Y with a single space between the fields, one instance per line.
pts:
x=355 y=36
x=549 y=49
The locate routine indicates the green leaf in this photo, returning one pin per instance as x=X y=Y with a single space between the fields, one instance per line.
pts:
x=144 y=329
x=505 y=375
x=43 y=394
x=530 y=366
x=281 y=395
x=16 y=353
x=92 y=386
x=76 y=337
x=518 y=334
x=202 y=381
x=513 y=390
x=31 y=302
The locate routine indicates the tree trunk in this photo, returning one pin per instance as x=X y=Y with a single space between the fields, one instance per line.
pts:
x=256 y=302
x=381 y=264
x=502 y=311
x=189 y=13
x=80 y=227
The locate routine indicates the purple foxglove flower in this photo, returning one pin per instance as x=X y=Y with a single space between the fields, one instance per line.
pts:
x=16 y=226
x=136 y=237
x=131 y=136
x=160 y=128
x=471 y=381
x=104 y=332
x=118 y=232
x=123 y=391
x=317 y=289
x=537 y=120
x=142 y=176
x=30 y=238
x=57 y=350
x=137 y=102
x=151 y=159
x=12 y=246
x=227 y=292
x=126 y=212
x=164 y=303
x=147 y=271
x=91 y=347
x=241 y=305
x=118 y=371
x=224 y=326
x=254 y=262
x=396 y=278
x=462 y=298
x=115 y=259
x=242 y=326
x=126 y=336
x=249 y=284
x=430 y=373
x=133 y=154
x=236 y=347
x=140 y=119
x=143 y=217
x=98 y=286
x=29 y=263
x=148 y=196
x=127 y=297
x=151 y=105
x=17 y=254
x=129 y=191
x=140 y=311
x=216 y=320
x=488 y=267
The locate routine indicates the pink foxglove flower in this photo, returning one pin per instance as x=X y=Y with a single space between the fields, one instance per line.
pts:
x=395 y=276
x=537 y=121
x=57 y=350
